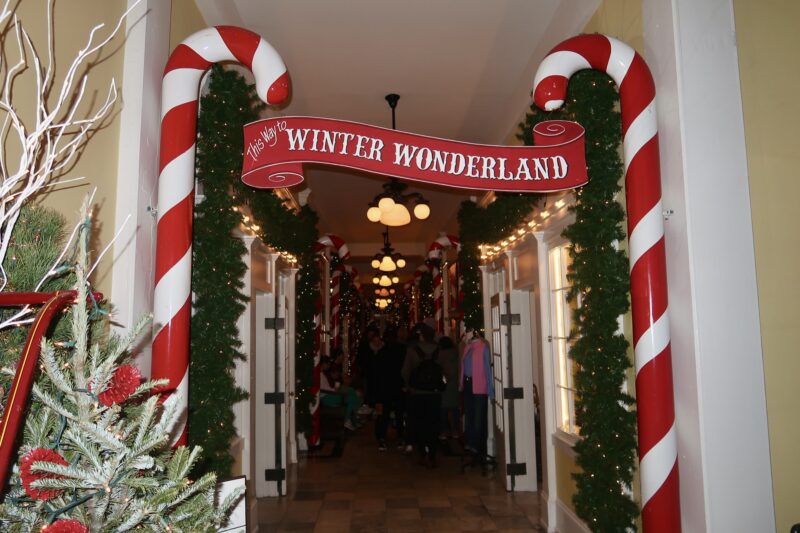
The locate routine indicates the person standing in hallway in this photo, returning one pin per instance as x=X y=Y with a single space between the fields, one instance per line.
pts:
x=387 y=384
x=477 y=385
x=450 y=416
x=423 y=374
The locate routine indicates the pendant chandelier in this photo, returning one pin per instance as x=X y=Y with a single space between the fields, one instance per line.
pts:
x=389 y=207
x=383 y=280
x=387 y=260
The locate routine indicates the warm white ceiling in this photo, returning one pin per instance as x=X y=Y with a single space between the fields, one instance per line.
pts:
x=463 y=69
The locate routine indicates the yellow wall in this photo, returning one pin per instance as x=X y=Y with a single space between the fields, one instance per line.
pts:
x=565 y=484
x=186 y=19
x=768 y=41
x=98 y=163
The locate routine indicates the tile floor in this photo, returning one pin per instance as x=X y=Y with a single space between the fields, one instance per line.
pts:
x=370 y=491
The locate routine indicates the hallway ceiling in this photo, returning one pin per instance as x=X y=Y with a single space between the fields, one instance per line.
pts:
x=463 y=70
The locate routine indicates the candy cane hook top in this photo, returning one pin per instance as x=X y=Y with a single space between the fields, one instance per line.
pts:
x=441 y=243
x=179 y=97
x=333 y=241
x=658 y=455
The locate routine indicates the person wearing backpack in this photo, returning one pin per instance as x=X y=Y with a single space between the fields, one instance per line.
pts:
x=425 y=381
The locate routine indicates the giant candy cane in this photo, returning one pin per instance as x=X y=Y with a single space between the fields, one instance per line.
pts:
x=435 y=253
x=186 y=65
x=656 y=414
x=340 y=247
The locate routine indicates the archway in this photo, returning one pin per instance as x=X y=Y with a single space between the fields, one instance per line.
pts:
x=657 y=438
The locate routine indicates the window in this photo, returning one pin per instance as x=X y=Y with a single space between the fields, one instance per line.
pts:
x=560 y=324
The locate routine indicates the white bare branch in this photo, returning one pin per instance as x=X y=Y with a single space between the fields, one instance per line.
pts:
x=39 y=146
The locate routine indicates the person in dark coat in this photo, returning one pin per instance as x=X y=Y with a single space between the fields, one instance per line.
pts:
x=451 y=416
x=424 y=404
x=388 y=385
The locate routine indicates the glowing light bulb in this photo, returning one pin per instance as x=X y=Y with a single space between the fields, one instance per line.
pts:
x=422 y=211
x=385 y=204
x=401 y=263
x=374 y=214
x=387 y=265
x=375 y=263
x=376 y=280
x=398 y=215
x=395 y=280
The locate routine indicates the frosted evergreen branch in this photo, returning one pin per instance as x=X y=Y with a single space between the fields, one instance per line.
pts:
x=101 y=436
x=48 y=401
x=51 y=366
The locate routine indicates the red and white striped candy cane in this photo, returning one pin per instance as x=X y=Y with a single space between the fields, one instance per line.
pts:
x=658 y=454
x=336 y=307
x=335 y=242
x=435 y=253
x=179 y=94
x=314 y=435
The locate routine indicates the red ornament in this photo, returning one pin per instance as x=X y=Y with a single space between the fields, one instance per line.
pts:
x=66 y=526
x=122 y=384
x=28 y=476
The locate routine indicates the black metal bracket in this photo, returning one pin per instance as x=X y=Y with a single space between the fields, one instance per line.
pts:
x=513 y=393
x=275 y=474
x=516 y=469
x=274 y=323
x=510 y=320
x=274 y=398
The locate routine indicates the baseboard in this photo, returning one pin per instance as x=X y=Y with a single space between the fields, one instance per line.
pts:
x=544 y=514
x=567 y=521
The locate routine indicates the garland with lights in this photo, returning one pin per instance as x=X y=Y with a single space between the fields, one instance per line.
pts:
x=480 y=225
x=426 y=295
x=295 y=232
x=218 y=269
x=604 y=413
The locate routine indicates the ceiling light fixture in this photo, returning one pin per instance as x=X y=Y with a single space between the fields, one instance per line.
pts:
x=387 y=260
x=389 y=207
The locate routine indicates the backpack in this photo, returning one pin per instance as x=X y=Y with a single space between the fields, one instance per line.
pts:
x=428 y=375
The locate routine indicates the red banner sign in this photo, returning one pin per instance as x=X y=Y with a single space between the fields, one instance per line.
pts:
x=275 y=148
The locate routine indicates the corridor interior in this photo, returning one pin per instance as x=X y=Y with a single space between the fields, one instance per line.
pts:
x=366 y=490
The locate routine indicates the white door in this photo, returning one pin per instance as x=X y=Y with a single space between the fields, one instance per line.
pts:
x=270 y=392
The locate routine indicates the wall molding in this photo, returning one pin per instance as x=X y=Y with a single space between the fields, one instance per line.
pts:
x=567 y=521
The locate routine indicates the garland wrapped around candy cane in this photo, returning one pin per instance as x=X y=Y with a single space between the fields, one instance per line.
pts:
x=435 y=253
x=180 y=87
x=408 y=288
x=426 y=266
x=658 y=454
x=340 y=247
x=314 y=435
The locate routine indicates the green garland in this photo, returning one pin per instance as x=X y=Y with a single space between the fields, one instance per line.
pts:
x=605 y=414
x=296 y=233
x=217 y=270
x=479 y=225
x=425 y=295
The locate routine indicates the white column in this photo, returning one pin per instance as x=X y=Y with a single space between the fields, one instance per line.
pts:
x=146 y=51
x=548 y=397
x=244 y=370
x=725 y=478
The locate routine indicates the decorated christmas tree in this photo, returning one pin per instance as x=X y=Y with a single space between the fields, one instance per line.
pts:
x=96 y=451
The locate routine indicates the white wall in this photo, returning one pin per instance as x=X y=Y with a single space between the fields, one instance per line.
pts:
x=719 y=387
